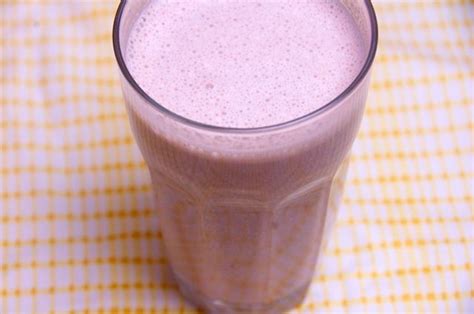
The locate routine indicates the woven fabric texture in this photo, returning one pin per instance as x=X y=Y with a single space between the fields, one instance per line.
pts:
x=78 y=231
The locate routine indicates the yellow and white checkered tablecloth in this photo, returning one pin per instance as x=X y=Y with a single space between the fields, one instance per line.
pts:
x=78 y=232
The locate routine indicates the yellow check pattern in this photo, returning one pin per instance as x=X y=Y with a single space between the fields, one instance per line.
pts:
x=78 y=232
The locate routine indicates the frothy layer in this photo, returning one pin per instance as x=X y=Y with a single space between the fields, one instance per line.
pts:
x=241 y=64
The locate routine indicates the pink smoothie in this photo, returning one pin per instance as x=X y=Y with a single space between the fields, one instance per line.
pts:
x=244 y=215
x=244 y=64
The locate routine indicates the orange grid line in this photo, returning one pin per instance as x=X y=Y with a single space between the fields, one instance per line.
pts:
x=52 y=241
x=47 y=39
x=49 y=192
x=63 y=100
x=94 y=14
x=398 y=155
x=433 y=200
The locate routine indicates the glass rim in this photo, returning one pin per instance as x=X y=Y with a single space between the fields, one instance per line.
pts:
x=221 y=129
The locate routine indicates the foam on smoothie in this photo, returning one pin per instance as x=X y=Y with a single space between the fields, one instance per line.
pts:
x=244 y=64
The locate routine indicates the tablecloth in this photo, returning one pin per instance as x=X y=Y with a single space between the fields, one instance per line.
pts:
x=78 y=231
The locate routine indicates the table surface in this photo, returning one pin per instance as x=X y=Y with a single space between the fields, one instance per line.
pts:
x=77 y=227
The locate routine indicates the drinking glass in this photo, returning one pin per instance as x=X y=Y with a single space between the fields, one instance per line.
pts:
x=245 y=212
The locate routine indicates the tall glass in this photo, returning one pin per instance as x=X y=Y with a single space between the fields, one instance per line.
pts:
x=245 y=212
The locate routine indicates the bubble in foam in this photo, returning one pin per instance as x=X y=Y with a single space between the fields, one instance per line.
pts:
x=256 y=64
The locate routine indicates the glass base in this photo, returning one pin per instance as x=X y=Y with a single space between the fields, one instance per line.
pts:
x=217 y=306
